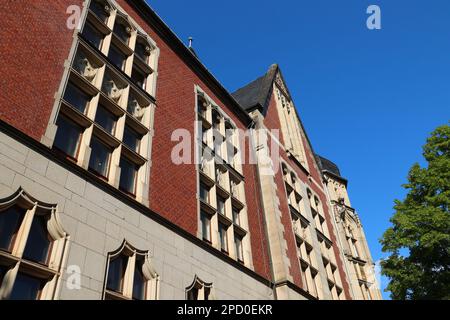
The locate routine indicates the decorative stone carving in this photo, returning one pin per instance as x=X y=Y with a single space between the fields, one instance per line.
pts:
x=135 y=109
x=112 y=90
x=147 y=51
x=280 y=83
x=340 y=210
x=85 y=67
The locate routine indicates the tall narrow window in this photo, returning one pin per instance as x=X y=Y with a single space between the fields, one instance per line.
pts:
x=122 y=30
x=10 y=221
x=199 y=290
x=236 y=218
x=100 y=9
x=100 y=157
x=117 y=57
x=131 y=139
x=130 y=276
x=202 y=107
x=68 y=136
x=142 y=50
x=139 y=283
x=76 y=97
x=116 y=273
x=38 y=243
x=204 y=193
x=223 y=237
x=139 y=77
x=92 y=35
x=221 y=205
x=216 y=120
x=26 y=288
x=106 y=119
x=238 y=247
x=102 y=117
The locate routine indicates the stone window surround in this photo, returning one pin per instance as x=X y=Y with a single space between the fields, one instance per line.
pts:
x=151 y=276
x=326 y=247
x=143 y=158
x=308 y=260
x=234 y=195
x=51 y=272
x=205 y=291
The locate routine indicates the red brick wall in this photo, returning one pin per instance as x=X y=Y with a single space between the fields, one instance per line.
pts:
x=173 y=188
x=34 y=42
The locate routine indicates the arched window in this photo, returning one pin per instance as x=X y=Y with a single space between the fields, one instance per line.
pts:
x=32 y=246
x=199 y=290
x=130 y=275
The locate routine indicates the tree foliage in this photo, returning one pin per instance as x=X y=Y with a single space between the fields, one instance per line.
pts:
x=419 y=239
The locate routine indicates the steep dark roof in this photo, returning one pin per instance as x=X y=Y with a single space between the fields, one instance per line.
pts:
x=255 y=94
x=327 y=165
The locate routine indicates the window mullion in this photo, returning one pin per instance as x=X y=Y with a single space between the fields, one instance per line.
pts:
x=22 y=234
x=129 y=277
x=8 y=282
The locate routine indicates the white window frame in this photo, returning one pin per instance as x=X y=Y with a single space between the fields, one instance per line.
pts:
x=51 y=272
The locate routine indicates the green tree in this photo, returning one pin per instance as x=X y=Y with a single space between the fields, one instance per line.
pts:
x=419 y=239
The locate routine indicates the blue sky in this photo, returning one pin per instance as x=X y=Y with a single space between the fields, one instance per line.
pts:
x=368 y=99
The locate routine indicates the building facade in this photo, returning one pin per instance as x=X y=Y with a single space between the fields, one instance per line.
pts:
x=129 y=172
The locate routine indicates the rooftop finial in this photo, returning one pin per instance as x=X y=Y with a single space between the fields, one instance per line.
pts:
x=190 y=41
